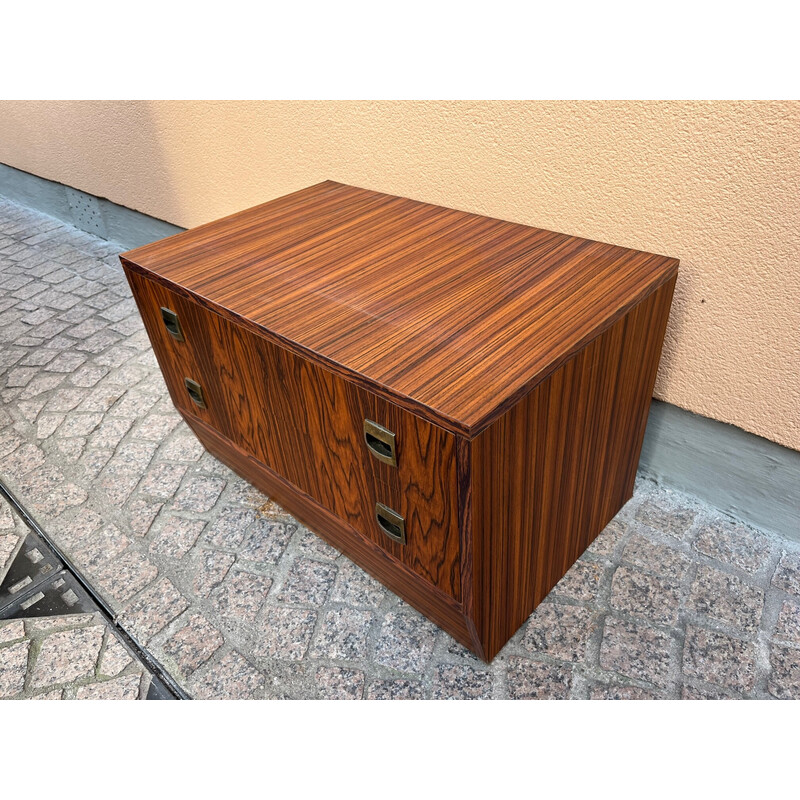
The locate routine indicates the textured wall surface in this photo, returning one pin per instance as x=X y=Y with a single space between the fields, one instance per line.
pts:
x=714 y=184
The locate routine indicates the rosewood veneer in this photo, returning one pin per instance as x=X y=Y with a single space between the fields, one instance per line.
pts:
x=455 y=402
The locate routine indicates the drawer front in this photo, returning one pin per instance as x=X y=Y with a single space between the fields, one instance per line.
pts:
x=182 y=357
x=307 y=424
x=234 y=377
x=343 y=474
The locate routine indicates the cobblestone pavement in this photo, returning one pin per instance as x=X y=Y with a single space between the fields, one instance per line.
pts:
x=239 y=600
x=67 y=658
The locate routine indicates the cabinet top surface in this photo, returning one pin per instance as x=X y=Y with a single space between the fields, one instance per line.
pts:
x=458 y=313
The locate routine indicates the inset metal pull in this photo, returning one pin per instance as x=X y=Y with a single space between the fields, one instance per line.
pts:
x=380 y=442
x=392 y=524
x=172 y=323
x=195 y=392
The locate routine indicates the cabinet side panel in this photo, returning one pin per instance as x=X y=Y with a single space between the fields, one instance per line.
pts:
x=551 y=473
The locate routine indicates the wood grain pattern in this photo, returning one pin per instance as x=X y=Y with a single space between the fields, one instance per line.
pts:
x=306 y=424
x=514 y=365
x=406 y=583
x=451 y=315
x=551 y=473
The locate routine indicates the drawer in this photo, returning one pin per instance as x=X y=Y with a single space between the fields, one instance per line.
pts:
x=308 y=425
x=338 y=469
x=234 y=378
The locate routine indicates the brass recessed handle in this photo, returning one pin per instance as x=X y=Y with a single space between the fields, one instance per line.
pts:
x=195 y=392
x=172 y=323
x=391 y=523
x=380 y=442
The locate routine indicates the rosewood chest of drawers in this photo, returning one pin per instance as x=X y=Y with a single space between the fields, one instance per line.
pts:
x=457 y=403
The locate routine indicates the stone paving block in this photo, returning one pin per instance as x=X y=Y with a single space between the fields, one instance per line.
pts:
x=153 y=610
x=71 y=532
x=156 y=426
x=88 y=375
x=79 y=425
x=285 y=633
x=727 y=599
x=9 y=441
x=21 y=376
x=115 y=657
x=13 y=668
x=68 y=362
x=719 y=659
x=311 y=545
x=141 y=514
x=118 y=481
x=787 y=573
x=689 y=692
x=308 y=583
x=184 y=446
x=123 y=577
x=621 y=693
x=401 y=689
x=92 y=462
x=337 y=683
x=655 y=557
x=266 y=540
x=199 y=495
x=228 y=530
x=177 y=537
x=239 y=491
x=65 y=400
x=242 y=595
x=635 y=650
x=212 y=568
x=36 y=625
x=232 y=678
x=71 y=449
x=111 y=431
x=102 y=398
x=48 y=694
x=124 y=688
x=11 y=630
x=461 y=683
x=666 y=517
x=67 y=655
x=784 y=680
x=560 y=631
x=29 y=409
x=23 y=460
x=646 y=595
x=162 y=480
x=10 y=544
x=788 y=626
x=38 y=357
x=734 y=544
x=193 y=644
x=101 y=546
x=354 y=587
x=405 y=642
x=535 y=680
x=342 y=634
x=581 y=582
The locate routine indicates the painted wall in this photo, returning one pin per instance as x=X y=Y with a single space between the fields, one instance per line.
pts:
x=714 y=184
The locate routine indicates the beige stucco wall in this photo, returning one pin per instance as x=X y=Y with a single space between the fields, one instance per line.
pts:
x=714 y=184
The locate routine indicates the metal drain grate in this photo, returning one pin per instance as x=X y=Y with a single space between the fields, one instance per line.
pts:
x=42 y=582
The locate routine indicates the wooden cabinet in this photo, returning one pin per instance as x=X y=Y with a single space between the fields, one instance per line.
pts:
x=455 y=402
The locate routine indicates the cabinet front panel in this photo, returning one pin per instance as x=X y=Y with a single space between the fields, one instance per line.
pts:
x=337 y=468
x=307 y=424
